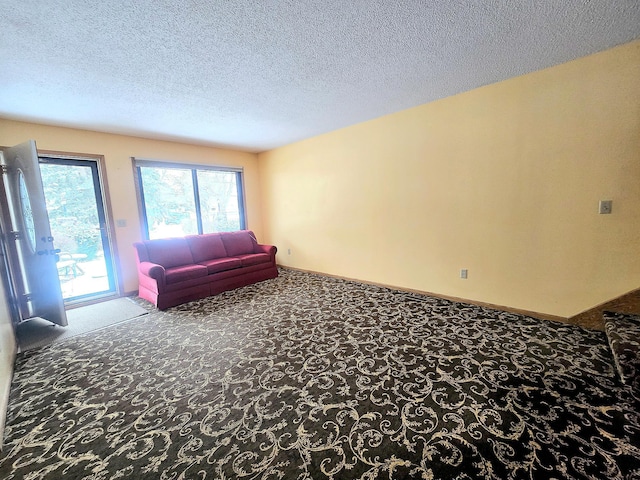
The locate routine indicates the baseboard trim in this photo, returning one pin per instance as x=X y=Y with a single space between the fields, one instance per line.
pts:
x=503 y=308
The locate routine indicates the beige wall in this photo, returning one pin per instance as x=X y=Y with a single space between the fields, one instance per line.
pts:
x=7 y=355
x=117 y=151
x=503 y=180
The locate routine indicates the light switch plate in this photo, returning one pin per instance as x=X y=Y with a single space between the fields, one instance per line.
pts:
x=605 y=206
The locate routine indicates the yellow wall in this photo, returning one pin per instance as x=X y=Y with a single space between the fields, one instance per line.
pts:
x=117 y=151
x=8 y=349
x=503 y=180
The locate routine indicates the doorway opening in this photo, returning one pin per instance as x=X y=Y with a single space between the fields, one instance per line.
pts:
x=76 y=205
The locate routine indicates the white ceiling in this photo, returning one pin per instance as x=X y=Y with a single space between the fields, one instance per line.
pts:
x=257 y=74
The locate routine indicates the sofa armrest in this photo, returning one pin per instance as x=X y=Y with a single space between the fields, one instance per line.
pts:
x=152 y=270
x=270 y=249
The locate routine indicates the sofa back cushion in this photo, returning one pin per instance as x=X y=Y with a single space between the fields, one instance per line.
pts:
x=239 y=243
x=141 y=252
x=169 y=252
x=206 y=247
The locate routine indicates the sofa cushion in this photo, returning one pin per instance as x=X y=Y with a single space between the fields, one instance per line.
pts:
x=238 y=243
x=221 y=264
x=185 y=272
x=206 y=247
x=254 y=259
x=169 y=252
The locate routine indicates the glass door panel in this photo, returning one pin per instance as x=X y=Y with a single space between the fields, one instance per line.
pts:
x=76 y=212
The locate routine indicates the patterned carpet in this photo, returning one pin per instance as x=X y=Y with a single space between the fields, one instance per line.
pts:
x=308 y=377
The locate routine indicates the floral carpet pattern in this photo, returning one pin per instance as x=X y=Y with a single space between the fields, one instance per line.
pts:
x=310 y=377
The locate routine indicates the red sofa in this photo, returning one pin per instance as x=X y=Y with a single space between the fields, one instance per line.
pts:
x=172 y=271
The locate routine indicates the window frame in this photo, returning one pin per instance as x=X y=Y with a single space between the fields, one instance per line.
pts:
x=137 y=163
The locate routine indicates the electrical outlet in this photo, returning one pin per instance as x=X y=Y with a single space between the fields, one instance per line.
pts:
x=464 y=273
x=288 y=251
x=605 y=206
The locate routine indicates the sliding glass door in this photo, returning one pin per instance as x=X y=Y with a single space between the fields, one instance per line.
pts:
x=75 y=204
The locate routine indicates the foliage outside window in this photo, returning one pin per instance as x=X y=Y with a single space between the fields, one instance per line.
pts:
x=71 y=206
x=178 y=200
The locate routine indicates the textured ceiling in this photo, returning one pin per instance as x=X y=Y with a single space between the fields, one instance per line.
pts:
x=256 y=74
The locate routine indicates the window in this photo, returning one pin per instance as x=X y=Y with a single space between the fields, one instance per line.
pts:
x=178 y=200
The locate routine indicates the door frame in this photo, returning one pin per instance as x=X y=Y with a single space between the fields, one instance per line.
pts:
x=111 y=234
